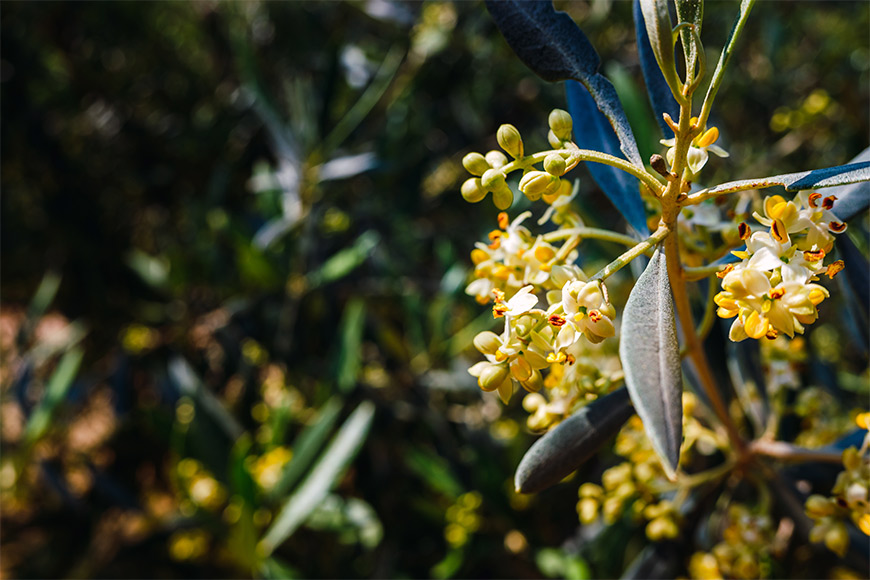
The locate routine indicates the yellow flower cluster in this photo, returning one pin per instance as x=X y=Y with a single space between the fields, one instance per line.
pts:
x=534 y=339
x=514 y=259
x=850 y=500
x=634 y=486
x=744 y=550
x=771 y=290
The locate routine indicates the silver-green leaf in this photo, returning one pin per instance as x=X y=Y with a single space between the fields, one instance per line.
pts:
x=650 y=357
x=657 y=18
x=555 y=455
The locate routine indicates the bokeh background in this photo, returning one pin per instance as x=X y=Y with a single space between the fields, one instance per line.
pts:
x=234 y=330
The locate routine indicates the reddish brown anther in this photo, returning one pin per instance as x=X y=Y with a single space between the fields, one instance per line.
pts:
x=828 y=202
x=503 y=220
x=556 y=320
x=723 y=273
x=834 y=268
x=743 y=230
x=837 y=227
x=814 y=199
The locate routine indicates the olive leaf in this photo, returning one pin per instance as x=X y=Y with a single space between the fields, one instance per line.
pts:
x=595 y=133
x=565 y=448
x=691 y=11
x=660 y=96
x=650 y=357
x=550 y=44
x=817 y=178
x=657 y=20
x=854 y=198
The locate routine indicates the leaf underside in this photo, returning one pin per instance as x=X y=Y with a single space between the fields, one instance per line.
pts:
x=650 y=357
x=566 y=447
x=660 y=95
x=552 y=46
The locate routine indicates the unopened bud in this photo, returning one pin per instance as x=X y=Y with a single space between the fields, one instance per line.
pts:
x=535 y=183
x=554 y=164
x=509 y=139
x=535 y=381
x=496 y=159
x=837 y=539
x=554 y=141
x=503 y=198
x=492 y=377
x=818 y=506
x=587 y=509
x=487 y=342
x=663 y=528
x=472 y=190
x=561 y=124
x=475 y=164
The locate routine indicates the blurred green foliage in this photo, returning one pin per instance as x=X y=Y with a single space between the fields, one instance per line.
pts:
x=244 y=222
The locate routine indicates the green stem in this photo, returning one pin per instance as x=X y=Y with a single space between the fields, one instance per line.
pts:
x=576 y=155
x=585 y=233
x=660 y=234
x=700 y=272
x=718 y=74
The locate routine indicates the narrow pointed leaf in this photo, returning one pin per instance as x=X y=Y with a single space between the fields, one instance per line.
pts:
x=818 y=178
x=595 y=133
x=555 y=455
x=660 y=95
x=55 y=392
x=657 y=20
x=854 y=198
x=725 y=56
x=650 y=357
x=691 y=11
x=552 y=45
x=322 y=478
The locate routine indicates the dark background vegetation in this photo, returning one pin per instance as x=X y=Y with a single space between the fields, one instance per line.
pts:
x=136 y=139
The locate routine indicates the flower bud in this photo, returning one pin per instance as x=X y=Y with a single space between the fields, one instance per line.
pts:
x=837 y=539
x=493 y=179
x=503 y=198
x=561 y=124
x=487 y=342
x=475 y=164
x=534 y=383
x=554 y=164
x=496 y=159
x=554 y=187
x=554 y=141
x=532 y=401
x=521 y=369
x=535 y=183
x=663 y=528
x=509 y=139
x=473 y=190
x=818 y=506
x=587 y=509
x=492 y=377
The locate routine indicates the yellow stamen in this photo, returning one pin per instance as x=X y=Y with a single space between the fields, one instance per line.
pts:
x=544 y=253
x=814 y=255
x=769 y=204
x=723 y=273
x=775 y=293
x=863 y=420
x=499 y=310
x=556 y=357
x=777 y=229
x=556 y=320
x=478 y=256
x=834 y=268
x=771 y=333
x=709 y=137
x=500 y=356
x=816 y=296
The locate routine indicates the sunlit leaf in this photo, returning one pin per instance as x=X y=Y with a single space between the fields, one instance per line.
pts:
x=55 y=392
x=660 y=95
x=691 y=11
x=854 y=198
x=550 y=44
x=650 y=357
x=191 y=385
x=434 y=470
x=323 y=477
x=349 y=356
x=592 y=131
x=345 y=261
x=802 y=180
x=307 y=444
x=657 y=20
x=566 y=447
